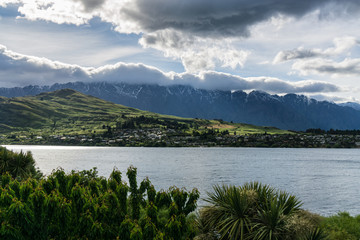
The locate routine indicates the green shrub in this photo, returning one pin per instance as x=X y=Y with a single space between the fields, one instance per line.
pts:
x=18 y=165
x=82 y=205
x=342 y=226
x=254 y=211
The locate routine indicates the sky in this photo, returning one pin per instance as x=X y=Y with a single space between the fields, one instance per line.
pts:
x=277 y=46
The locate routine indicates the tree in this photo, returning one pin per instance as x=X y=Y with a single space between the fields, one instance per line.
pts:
x=82 y=205
x=252 y=211
x=19 y=165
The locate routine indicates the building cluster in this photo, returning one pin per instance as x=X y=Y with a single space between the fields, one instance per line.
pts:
x=161 y=137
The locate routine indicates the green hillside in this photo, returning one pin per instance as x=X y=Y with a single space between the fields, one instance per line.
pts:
x=69 y=112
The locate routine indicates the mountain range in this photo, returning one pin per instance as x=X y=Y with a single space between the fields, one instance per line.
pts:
x=353 y=105
x=68 y=112
x=291 y=111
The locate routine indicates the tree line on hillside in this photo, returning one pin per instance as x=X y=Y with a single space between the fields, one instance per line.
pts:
x=139 y=122
x=142 y=121
x=332 y=131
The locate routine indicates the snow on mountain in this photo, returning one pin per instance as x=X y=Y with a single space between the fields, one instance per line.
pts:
x=294 y=112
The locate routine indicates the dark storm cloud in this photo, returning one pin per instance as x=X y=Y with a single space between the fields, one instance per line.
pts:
x=91 y=4
x=227 y=18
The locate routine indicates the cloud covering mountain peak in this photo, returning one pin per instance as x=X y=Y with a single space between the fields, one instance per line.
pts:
x=18 y=70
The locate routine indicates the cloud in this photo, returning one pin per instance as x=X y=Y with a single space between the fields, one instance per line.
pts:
x=340 y=46
x=90 y=5
x=347 y=67
x=4 y=3
x=324 y=97
x=19 y=70
x=323 y=61
x=201 y=17
x=183 y=29
x=197 y=54
x=222 y=81
x=221 y=18
x=57 y=11
x=298 y=53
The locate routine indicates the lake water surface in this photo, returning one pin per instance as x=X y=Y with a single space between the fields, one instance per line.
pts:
x=326 y=180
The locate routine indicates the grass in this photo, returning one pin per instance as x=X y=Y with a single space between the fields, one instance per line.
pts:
x=243 y=129
x=69 y=112
x=342 y=226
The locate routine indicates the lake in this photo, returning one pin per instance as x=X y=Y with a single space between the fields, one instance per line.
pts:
x=325 y=180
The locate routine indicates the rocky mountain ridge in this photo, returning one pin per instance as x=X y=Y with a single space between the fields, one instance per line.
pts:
x=293 y=112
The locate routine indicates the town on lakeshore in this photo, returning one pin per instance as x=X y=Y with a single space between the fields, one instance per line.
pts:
x=68 y=117
x=163 y=137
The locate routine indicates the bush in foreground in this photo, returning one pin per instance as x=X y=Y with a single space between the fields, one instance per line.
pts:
x=18 y=165
x=81 y=205
x=255 y=211
x=342 y=226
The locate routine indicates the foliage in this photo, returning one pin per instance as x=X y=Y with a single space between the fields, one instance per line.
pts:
x=253 y=211
x=82 y=205
x=342 y=226
x=332 y=131
x=18 y=165
x=147 y=122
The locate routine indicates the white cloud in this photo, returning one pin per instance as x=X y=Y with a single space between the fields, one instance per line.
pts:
x=199 y=33
x=63 y=11
x=17 y=69
x=329 y=98
x=26 y=70
x=347 y=67
x=215 y=80
x=333 y=61
x=4 y=3
x=197 y=54
x=82 y=45
x=341 y=45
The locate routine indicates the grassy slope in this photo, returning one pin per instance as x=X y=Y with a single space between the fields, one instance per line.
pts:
x=69 y=112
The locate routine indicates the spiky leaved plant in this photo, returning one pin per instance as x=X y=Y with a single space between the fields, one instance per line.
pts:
x=253 y=211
